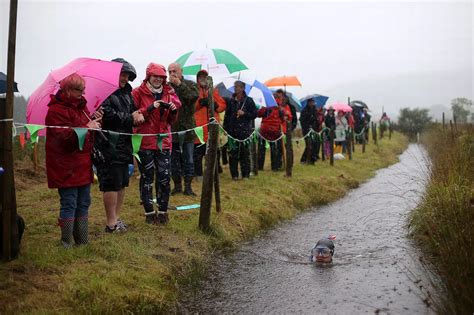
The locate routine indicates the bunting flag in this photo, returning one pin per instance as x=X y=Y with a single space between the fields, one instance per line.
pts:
x=267 y=145
x=33 y=130
x=136 y=143
x=284 y=139
x=255 y=135
x=232 y=144
x=199 y=133
x=159 y=139
x=81 y=136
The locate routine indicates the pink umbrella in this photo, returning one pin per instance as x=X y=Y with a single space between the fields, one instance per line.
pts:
x=102 y=78
x=340 y=107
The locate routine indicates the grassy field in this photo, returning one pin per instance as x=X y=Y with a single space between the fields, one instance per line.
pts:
x=444 y=221
x=144 y=269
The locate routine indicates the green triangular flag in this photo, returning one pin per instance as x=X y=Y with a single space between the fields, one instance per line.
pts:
x=81 y=136
x=231 y=143
x=160 y=138
x=136 y=143
x=267 y=145
x=284 y=139
x=33 y=130
x=181 y=135
x=199 y=133
x=255 y=136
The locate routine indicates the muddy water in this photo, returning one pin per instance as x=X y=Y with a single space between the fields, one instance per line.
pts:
x=376 y=268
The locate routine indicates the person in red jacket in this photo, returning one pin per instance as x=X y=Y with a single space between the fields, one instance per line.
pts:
x=159 y=104
x=270 y=130
x=69 y=169
x=201 y=115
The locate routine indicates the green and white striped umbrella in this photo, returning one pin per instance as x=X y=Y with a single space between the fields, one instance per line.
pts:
x=218 y=62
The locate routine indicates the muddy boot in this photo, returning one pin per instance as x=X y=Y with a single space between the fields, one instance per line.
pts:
x=67 y=227
x=162 y=217
x=81 y=231
x=178 y=188
x=187 y=186
x=150 y=217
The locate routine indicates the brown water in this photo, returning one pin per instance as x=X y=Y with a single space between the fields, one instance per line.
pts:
x=376 y=268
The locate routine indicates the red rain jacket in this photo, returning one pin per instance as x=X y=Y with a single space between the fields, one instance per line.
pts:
x=66 y=165
x=272 y=119
x=156 y=120
x=201 y=115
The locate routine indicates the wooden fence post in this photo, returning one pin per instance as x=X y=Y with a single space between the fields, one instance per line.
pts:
x=289 y=150
x=210 y=172
x=7 y=181
x=363 y=140
x=331 y=147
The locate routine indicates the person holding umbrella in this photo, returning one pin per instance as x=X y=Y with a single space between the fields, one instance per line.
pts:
x=202 y=116
x=159 y=104
x=270 y=129
x=239 y=115
x=309 y=120
x=68 y=167
x=116 y=152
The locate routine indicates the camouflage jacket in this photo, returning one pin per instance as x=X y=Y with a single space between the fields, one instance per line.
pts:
x=188 y=93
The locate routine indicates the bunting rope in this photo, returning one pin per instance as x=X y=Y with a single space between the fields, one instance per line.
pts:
x=255 y=132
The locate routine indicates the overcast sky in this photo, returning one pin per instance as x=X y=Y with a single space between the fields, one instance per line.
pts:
x=390 y=54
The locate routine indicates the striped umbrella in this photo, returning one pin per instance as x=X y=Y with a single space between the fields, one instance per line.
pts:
x=218 y=62
x=262 y=95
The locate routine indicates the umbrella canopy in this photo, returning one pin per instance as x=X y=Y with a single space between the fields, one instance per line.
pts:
x=262 y=95
x=3 y=84
x=102 y=79
x=283 y=81
x=319 y=100
x=340 y=107
x=358 y=104
x=218 y=62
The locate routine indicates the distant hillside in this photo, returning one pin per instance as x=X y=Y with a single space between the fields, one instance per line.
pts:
x=408 y=90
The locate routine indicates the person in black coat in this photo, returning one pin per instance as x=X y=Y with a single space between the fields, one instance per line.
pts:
x=309 y=120
x=239 y=116
x=113 y=152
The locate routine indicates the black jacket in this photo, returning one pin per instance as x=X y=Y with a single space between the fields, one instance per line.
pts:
x=241 y=127
x=330 y=122
x=309 y=119
x=118 y=109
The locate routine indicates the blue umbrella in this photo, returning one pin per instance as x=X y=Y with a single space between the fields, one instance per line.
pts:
x=319 y=100
x=261 y=94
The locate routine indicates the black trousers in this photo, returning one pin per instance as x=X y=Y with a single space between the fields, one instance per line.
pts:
x=240 y=154
x=154 y=162
x=275 y=155
x=315 y=147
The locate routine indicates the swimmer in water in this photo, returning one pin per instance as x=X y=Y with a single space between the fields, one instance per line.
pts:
x=323 y=251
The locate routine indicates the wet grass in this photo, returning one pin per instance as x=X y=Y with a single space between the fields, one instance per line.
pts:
x=444 y=221
x=145 y=269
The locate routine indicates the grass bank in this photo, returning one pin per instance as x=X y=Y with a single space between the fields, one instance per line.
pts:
x=143 y=270
x=444 y=222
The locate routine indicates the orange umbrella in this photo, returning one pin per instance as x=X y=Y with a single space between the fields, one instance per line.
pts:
x=283 y=81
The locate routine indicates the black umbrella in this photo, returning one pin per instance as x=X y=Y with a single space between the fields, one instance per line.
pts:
x=3 y=84
x=358 y=104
